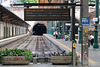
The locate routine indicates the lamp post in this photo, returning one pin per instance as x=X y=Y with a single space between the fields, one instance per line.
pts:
x=72 y=1
x=96 y=26
x=58 y=26
x=66 y=30
x=80 y=34
x=80 y=25
x=51 y=31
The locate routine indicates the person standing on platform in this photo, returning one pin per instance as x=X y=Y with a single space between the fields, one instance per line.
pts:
x=56 y=34
x=91 y=39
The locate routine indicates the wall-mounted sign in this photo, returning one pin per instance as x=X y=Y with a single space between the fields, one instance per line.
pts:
x=95 y=19
x=85 y=20
x=46 y=14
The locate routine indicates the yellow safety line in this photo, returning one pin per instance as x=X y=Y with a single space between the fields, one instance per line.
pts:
x=90 y=61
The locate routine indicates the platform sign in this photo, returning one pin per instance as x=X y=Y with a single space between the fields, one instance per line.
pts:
x=95 y=19
x=74 y=45
x=85 y=30
x=47 y=14
x=85 y=20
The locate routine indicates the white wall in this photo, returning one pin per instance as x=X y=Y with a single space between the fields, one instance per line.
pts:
x=19 y=30
x=1 y=30
x=10 y=29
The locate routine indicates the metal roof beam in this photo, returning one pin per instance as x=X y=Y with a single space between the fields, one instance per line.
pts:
x=49 y=4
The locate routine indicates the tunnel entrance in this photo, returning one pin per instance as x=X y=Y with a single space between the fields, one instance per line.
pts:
x=39 y=29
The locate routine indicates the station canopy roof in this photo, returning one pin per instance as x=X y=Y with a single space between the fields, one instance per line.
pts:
x=9 y=17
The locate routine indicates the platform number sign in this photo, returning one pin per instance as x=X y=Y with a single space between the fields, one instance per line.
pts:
x=85 y=20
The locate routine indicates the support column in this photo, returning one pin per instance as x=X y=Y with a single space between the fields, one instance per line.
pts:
x=96 y=46
x=73 y=34
x=4 y=35
x=52 y=27
x=62 y=28
x=66 y=31
x=22 y=30
x=84 y=36
x=80 y=24
x=18 y=30
x=58 y=26
x=1 y=30
x=6 y=31
x=14 y=30
x=71 y=25
x=25 y=30
x=80 y=34
x=48 y=27
x=10 y=30
x=8 y=25
x=65 y=23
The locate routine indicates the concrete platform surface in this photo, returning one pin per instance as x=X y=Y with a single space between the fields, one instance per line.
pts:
x=94 y=54
x=40 y=65
x=35 y=65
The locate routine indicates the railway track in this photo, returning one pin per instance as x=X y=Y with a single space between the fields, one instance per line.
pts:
x=19 y=44
x=39 y=45
x=14 y=44
x=44 y=48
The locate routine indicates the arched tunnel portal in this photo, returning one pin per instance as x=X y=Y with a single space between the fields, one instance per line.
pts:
x=39 y=29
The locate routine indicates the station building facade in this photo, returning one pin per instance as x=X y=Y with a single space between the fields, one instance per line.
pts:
x=10 y=24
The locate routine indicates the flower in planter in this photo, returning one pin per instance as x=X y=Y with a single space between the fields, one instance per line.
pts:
x=17 y=52
x=18 y=58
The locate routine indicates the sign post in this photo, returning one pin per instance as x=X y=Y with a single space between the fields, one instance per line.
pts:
x=85 y=23
x=74 y=53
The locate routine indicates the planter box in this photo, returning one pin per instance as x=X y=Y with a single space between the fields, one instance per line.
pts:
x=61 y=59
x=14 y=60
x=41 y=60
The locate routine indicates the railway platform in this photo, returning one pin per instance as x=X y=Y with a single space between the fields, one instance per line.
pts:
x=38 y=44
x=94 y=54
x=37 y=65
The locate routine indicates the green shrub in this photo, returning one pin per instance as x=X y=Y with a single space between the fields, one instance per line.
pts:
x=70 y=54
x=63 y=53
x=17 y=52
